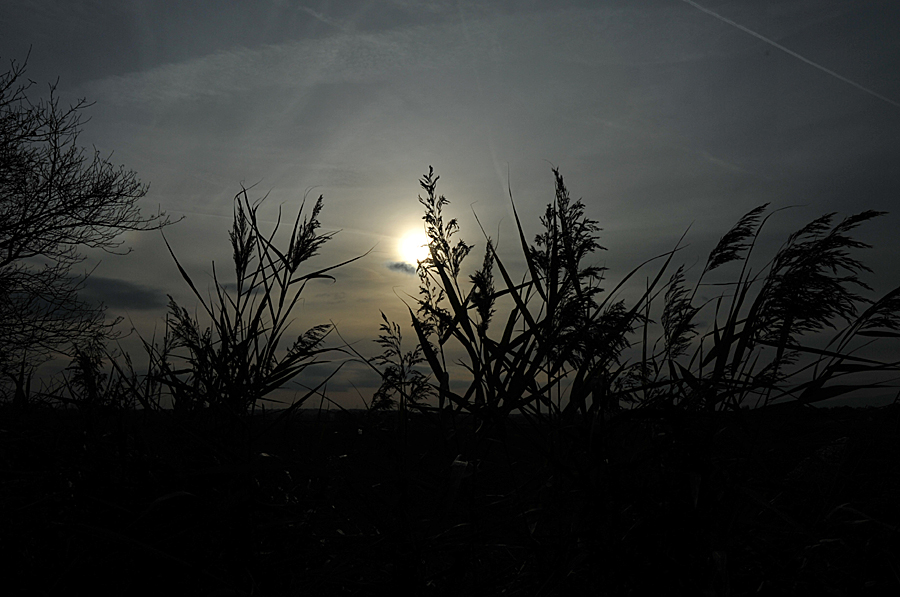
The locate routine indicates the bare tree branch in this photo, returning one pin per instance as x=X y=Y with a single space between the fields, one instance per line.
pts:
x=56 y=198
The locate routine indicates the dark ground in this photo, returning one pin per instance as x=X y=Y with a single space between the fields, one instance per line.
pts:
x=786 y=501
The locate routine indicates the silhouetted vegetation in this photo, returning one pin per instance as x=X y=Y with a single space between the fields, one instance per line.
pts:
x=543 y=435
x=54 y=202
x=236 y=363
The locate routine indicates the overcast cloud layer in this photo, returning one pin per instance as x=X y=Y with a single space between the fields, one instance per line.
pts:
x=661 y=115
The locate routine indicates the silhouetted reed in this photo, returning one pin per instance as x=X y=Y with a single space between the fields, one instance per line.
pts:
x=231 y=364
x=586 y=443
x=559 y=353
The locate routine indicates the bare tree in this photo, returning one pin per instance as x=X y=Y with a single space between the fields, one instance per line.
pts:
x=55 y=199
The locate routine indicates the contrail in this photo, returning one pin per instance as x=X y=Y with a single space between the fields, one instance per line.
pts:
x=792 y=53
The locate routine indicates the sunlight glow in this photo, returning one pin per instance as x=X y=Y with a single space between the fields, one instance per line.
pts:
x=413 y=247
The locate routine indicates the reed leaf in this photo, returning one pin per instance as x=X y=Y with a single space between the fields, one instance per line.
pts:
x=237 y=361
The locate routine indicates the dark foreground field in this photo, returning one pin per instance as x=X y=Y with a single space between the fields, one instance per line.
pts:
x=784 y=501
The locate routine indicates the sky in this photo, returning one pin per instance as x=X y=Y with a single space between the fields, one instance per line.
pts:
x=662 y=115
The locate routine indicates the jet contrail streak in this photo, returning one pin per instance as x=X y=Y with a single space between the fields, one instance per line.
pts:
x=792 y=53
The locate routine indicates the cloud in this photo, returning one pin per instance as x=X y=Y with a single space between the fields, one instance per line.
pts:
x=722 y=163
x=435 y=6
x=402 y=267
x=597 y=37
x=122 y=294
x=295 y=65
x=325 y=18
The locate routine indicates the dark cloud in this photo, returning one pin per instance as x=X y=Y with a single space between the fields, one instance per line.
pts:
x=231 y=288
x=401 y=266
x=122 y=294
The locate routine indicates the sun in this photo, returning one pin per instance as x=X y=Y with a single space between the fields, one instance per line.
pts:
x=413 y=247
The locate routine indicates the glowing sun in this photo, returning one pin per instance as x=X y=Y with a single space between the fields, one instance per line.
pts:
x=413 y=247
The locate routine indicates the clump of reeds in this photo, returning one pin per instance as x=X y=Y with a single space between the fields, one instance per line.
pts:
x=560 y=349
x=570 y=356
x=238 y=359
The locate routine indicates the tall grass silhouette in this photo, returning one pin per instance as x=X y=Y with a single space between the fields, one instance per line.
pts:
x=562 y=332
x=236 y=362
x=542 y=435
x=608 y=387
